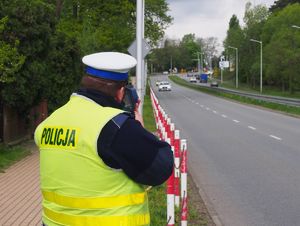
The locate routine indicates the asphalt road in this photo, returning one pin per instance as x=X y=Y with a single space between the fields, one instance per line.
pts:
x=245 y=160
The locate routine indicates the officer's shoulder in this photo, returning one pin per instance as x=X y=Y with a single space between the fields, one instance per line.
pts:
x=121 y=118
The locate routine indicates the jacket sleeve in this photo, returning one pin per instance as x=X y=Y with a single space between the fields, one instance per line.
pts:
x=143 y=157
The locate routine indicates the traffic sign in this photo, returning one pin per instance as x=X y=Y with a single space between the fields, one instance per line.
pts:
x=223 y=64
x=145 y=48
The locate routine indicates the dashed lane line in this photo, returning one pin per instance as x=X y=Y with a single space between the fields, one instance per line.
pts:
x=251 y=127
x=276 y=138
x=234 y=120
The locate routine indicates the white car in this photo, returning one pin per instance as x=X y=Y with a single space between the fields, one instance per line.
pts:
x=214 y=84
x=164 y=86
x=193 y=79
x=157 y=83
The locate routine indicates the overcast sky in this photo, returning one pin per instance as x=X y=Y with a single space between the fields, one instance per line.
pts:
x=206 y=18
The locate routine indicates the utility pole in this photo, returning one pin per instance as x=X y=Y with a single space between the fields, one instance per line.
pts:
x=198 y=63
x=171 y=65
x=139 y=37
x=261 y=61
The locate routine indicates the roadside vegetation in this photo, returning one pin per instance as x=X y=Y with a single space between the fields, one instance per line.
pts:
x=46 y=65
x=274 y=106
x=10 y=155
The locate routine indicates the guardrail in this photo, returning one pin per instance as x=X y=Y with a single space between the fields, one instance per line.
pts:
x=274 y=99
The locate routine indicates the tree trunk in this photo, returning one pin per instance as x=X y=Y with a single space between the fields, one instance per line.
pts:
x=75 y=9
x=282 y=86
x=291 y=89
x=59 y=4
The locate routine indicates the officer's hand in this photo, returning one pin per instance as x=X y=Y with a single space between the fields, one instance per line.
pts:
x=137 y=114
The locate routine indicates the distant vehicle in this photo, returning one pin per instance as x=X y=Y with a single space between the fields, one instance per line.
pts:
x=193 y=79
x=165 y=73
x=164 y=86
x=214 y=84
x=203 y=78
x=189 y=74
x=157 y=83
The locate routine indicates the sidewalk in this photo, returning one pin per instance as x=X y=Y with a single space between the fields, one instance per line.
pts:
x=20 y=197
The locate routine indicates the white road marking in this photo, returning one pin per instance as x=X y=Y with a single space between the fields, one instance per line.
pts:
x=208 y=109
x=196 y=103
x=224 y=116
x=277 y=138
x=236 y=121
x=201 y=106
x=215 y=112
x=251 y=127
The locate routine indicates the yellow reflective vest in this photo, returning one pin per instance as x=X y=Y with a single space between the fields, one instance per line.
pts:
x=77 y=187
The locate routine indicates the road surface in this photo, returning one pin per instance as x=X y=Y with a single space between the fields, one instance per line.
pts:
x=245 y=160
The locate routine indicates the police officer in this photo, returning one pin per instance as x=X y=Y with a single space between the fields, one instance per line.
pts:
x=95 y=157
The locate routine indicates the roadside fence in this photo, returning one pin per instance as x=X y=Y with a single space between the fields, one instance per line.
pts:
x=177 y=183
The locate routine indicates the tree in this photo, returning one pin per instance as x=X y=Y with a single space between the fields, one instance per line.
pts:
x=43 y=41
x=283 y=48
x=254 y=18
x=110 y=25
x=280 y=4
x=189 y=49
x=10 y=60
x=234 y=38
x=28 y=30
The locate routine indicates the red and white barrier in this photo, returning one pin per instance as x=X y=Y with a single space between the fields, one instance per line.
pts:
x=183 y=169
x=170 y=198
x=177 y=183
x=177 y=167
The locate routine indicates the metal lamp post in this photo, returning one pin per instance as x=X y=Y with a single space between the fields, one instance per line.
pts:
x=201 y=61
x=260 y=42
x=236 y=66
x=200 y=64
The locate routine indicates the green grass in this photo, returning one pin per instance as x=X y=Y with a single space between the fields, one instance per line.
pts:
x=149 y=121
x=274 y=106
x=10 y=155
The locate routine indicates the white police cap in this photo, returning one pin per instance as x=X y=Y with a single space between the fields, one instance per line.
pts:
x=109 y=65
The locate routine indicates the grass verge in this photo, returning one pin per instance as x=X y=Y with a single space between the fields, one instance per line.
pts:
x=10 y=155
x=267 y=90
x=198 y=215
x=291 y=110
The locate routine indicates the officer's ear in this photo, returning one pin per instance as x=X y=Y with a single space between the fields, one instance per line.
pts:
x=120 y=94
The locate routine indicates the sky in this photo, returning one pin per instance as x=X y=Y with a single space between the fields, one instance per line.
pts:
x=206 y=18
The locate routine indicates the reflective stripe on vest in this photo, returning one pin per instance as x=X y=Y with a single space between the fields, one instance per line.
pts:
x=67 y=219
x=94 y=203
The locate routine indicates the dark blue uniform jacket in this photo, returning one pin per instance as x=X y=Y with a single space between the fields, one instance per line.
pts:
x=124 y=144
